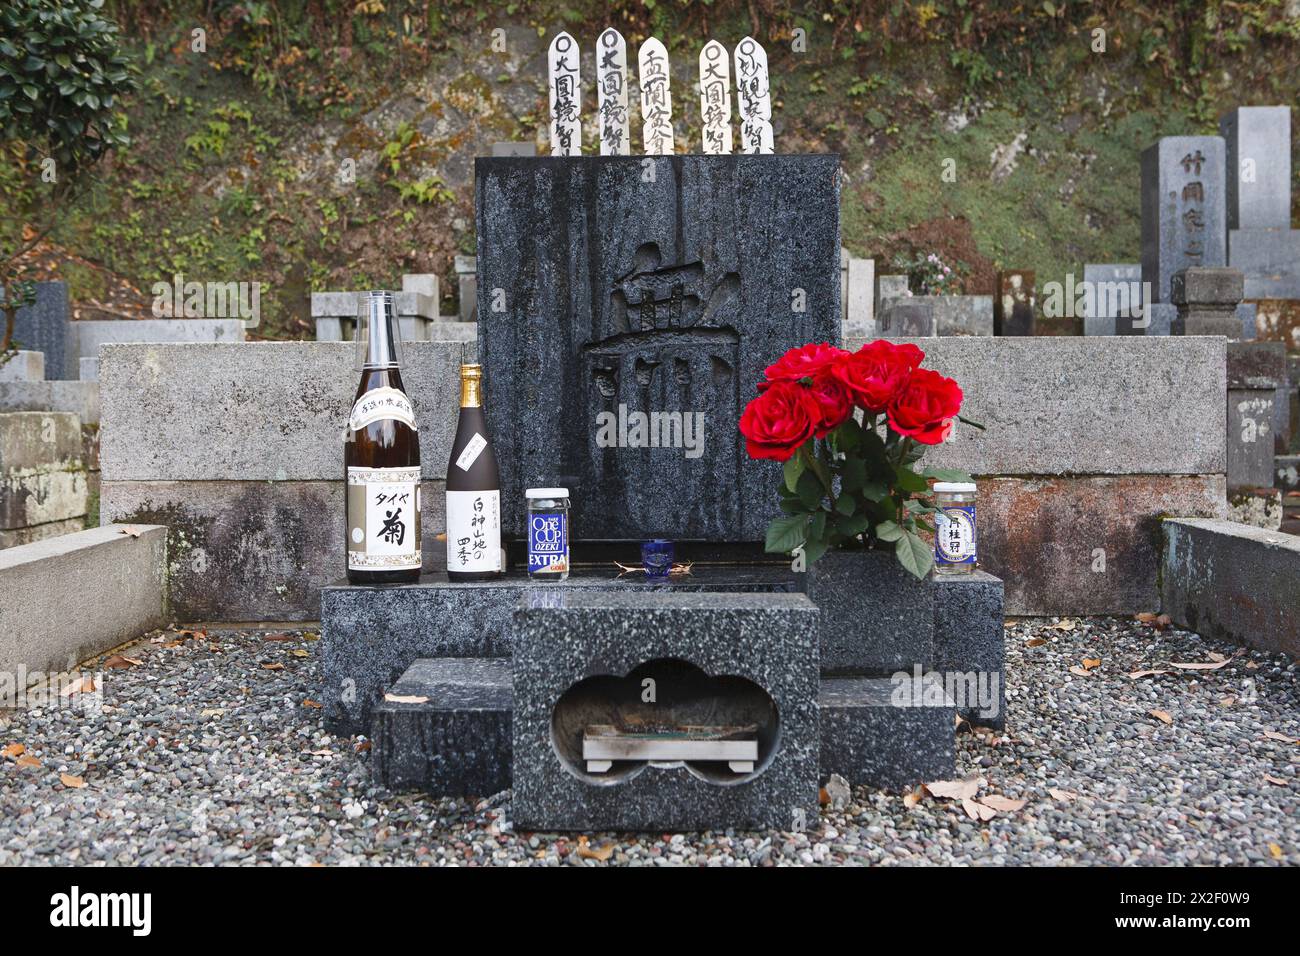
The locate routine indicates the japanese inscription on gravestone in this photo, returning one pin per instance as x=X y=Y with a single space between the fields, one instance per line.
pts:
x=1183 y=213
x=566 y=96
x=754 y=97
x=715 y=99
x=611 y=82
x=656 y=99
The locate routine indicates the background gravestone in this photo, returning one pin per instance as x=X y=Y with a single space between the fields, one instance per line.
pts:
x=1183 y=210
x=1258 y=195
x=632 y=284
x=43 y=326
x=1117 y=291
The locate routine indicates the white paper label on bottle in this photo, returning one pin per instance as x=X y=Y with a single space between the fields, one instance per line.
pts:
x=379 y=404
x=473 y=531
x=473 y=448
x=384 y=519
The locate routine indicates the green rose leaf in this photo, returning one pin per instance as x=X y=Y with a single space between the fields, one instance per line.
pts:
x=793 y=506
x=851 y=524
x=813 y=549
x=785 y=534
x=888 y=531
x=844 y=504
x=794 y=467
x=914 y=555
x=874 y=491
x=810 y=490
x=909 y=480
x=853 y=474
x=816 y=528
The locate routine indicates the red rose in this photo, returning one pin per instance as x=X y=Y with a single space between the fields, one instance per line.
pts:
x=926 y=407
x=779 y=420
x=876 y=374
x=804 y=362
x=833 y=399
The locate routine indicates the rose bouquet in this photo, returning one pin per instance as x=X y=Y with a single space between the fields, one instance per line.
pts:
x=849 y=480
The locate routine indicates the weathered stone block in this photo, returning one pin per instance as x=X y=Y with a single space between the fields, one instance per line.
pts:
x=91 y=335
x=626 y=294
x=860 y=296
x=70 y=597
x=252 y=550
x=1233 y=582
x=1206 y=286
x=44 y=326
x=1256 y=365
x=908 y=317
x=467 y=288
x=40 y=498
x=24 y=366
x=1122 y=405
x=370 y=635
x=1258 y=170
x=1184 y=220
x=726 y=660
x=79 y=398
x=1084 y=545
x=889 y=287
x=870 y=739
x=42 y=476
x=1014 y=308
x=875 y=617
x=1269 y=259
x=1250 y=437
x=963 y=314
x=451 y=734
x=1246 y=312
x=968 y=643
x=1116 y=290
x=1258 y=507
x=271 y=411
x=13 y=537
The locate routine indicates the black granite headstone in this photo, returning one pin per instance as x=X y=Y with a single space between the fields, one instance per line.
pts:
x=612 y=290
x=43 y=326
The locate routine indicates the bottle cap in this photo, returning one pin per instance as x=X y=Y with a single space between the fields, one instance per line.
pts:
x=547 y=493
x=955 y=487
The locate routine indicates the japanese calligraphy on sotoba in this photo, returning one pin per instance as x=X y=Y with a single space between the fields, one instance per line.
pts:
x=754 y=98
x=1193 y=201
x=715 y=98
x=656 y=99
x=566 y=96
x=611 y=83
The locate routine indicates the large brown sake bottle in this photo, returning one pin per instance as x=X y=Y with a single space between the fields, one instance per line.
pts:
x=381 y=457
x=473 y=490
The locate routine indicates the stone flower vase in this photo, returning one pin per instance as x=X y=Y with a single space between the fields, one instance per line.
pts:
x=876 y=618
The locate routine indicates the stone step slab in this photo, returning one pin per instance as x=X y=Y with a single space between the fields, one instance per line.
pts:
x=24 y=365
x=78 y=398
x=1233 y=582
x=444 y=728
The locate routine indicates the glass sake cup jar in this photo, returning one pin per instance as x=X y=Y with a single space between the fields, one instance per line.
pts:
x=548 y=533
x=954 y=526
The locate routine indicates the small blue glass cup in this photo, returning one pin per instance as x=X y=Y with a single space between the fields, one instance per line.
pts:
x=657 y=557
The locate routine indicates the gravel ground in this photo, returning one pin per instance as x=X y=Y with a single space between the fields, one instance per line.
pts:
x=209 y=750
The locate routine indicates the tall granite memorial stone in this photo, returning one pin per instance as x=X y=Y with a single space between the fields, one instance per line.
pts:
x=1261 y=242
x=1183 y=210
x=627 y=308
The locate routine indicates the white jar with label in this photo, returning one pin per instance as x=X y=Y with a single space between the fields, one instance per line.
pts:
x=955 y=538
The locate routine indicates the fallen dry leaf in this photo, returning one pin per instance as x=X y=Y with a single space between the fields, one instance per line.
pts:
x=272 y=667
x=1035 y=642
x=1002 y=804
x=299 y=652
x=279 y=638
x=1162 y=715
x=400 y=699
x=1274 y=735
x=212 y=712
x=71 y=782
x=1216 y=656
x=27 y=760
x=1065 y=624
x=1228 y=701
x=118 y=661
x=977 y=811
x=1146 y=617
x=601 y=853
x=1065 y=796
x=82 y=685
x=1079 y=671
x=315 y=705
x=1138 y=675
x=1278 y=781
x=823 y=798
x=1163 y=621
x=362 y=747
x=912 y=799
x=170 y=644
x=1275 y=851
x=13 y=751
x=953 y=789
x=1090 y=662
x=1203 y=665
x=130 y=531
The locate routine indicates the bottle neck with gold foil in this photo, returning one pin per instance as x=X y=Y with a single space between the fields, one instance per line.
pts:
x=471 y=388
